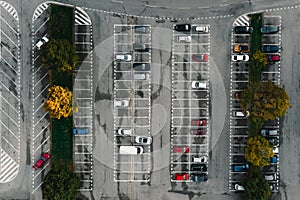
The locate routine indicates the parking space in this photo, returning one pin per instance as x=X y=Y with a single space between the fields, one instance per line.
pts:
x=10 y=73
x=190 y=103
x=41 y=142
x=132 y=103
x=83 y=95
x=239 y=82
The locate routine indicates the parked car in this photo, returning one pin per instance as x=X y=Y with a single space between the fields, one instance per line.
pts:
x=236 y=58
x=240 y=48
x=131 y=150
x=238 y=187
x=199 y=167
x=272 y=186
x=200 y=57
x=199 y=122
x=200 y=159
x=123 y=57
x=243 y=29
x=141 y=47
x=274 y=141
x=271 y=177
x=238 y=94
x=80 y=131
x=268 y=132
x=182 y=27
x=141 y=66
x=181 y=149
x=121 y=103
x=143 y=140
x=184 y=176
x=240 y=168
x=124 y=131
x=202 y=177
x=40 y=163
x=241 y=114
x=199 y=84
x=276 y=150
x=198 y=132
x=184 y=38
x=43 y=41
x=142 y=29
x=201 y=29
x=269 y=29
x=270 y=48
x=272 y=58
x=141 y=76
x=273 y=160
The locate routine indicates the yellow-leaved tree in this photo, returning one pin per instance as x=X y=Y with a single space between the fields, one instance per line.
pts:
x=59 y=102
x=259 y=151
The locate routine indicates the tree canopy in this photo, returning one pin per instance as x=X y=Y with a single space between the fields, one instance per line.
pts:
x=265 y=101
x=59 y=102
x=257 y=188
x=60 y=183
x=58 y=55
x=258 y=59
x=258 y=151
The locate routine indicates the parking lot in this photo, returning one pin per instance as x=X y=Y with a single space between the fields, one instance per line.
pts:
x=132 y=103
x=10 y=73
x=238 y=120
x=190 y=104
x=83 y=96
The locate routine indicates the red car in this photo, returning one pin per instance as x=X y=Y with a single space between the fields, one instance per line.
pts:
x=40 y=163
x=272 y=58
x=182 y=176
x=198 y=132
x=181 y=149
x=199 y=122
x=200 y=57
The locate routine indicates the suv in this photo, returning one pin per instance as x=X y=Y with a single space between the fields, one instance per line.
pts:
x=269 y=49
x=268 y=132
x=182 y=27
x=240 y=168
x=199 y=177
x=239 y=48
x=43 y=41
x=184 y=38
x=269 y=29
x=243 y=29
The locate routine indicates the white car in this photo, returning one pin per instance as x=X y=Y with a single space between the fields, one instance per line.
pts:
x=202 y=29
x=143 y=140
x=240 y=58
x=200 y=159
x=123 y=57
x=121 y=103
x=275 y=150
x=40 y=43
x=199 y=84
x=123 y=131
x=184 y=38
x=238 y=187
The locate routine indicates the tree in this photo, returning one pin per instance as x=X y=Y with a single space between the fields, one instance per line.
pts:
x=259 y=151
x=59 y=102
x=60 y=183
x=258 y=59
x=58 y=55
x=265 y=101
x=257 y=188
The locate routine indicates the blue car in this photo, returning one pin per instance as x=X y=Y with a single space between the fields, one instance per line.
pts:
x=270 y=48
x=240 y=168
x=274 y=159
x=80 y=131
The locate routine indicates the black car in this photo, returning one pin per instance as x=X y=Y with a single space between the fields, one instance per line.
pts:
x=269 y=29
x=183 y=27
x=270 y=48
x=199 y=177
x=199 y=167
x=243 y=29
x=141 y=66
x=141 y=47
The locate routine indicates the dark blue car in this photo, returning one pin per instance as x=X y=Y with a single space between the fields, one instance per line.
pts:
x=240 y=168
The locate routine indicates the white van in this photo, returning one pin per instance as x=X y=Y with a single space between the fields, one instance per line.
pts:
x=131 y=150
x=141 y=76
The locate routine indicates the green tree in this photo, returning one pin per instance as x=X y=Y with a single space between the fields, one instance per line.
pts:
x=265 y=101
x=60 y=183
x=58 y=55
x=258 y=151
x=258 y=59
x=257 y=188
